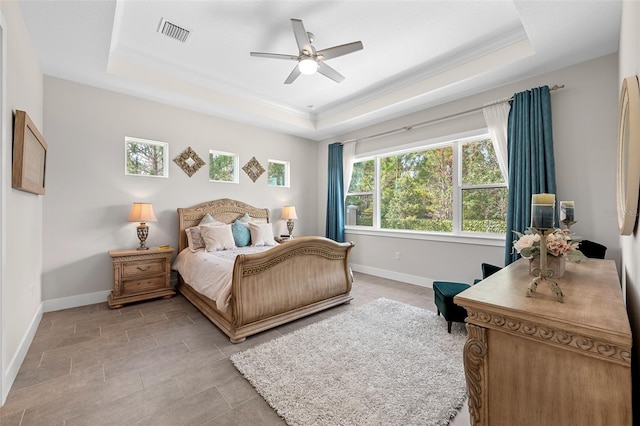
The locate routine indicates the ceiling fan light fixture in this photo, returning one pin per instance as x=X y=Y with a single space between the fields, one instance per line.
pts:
x=308 y=66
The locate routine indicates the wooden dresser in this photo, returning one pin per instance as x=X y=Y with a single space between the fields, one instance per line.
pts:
x=535 y=361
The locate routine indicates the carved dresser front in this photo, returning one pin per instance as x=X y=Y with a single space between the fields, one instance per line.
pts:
x=536 y=361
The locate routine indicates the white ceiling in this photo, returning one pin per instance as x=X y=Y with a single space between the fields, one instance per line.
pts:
x=416 y=54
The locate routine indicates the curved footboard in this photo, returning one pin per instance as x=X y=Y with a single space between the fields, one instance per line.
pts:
x=301 y=276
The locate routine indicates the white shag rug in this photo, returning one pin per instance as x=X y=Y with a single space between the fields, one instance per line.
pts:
x=384 y=363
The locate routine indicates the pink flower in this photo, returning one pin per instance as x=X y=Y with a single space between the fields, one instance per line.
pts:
x=526 y=241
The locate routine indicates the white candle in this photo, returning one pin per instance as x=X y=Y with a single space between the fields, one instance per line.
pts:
x=542 y=210
x=567 y=211
x=543 y=198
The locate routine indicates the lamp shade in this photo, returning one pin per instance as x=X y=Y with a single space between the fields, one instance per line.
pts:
x=142 y=212
x=289 y=212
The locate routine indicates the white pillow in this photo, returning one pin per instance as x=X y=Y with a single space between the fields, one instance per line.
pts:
x=207 y=219
x=194 y=238
x=217 y=237
x=261 y=234
x=245 y=218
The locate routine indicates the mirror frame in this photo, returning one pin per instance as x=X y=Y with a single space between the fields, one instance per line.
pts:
x=628 y=176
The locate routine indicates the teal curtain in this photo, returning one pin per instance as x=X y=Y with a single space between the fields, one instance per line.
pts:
x=530 y=159
x=335 y=195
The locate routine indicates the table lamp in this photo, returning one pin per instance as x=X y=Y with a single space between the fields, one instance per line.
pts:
x=289 y=213
x=143 y=213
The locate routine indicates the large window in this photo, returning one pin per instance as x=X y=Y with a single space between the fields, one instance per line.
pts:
x=454 y=187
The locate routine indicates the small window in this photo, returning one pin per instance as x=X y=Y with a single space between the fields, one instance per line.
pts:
x=278 y=173
x=146 y=158
x=223 y=166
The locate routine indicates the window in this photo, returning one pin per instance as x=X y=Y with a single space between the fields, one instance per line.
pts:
x=484 y=192
x=359 y=201
x=278 y=173
x=453 y=187
x=146 y=158
x=223 y=166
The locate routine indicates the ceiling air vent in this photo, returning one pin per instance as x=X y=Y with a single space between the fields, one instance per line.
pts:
x=173 y=31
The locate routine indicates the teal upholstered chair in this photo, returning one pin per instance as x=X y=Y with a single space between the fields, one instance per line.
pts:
x=445 y=291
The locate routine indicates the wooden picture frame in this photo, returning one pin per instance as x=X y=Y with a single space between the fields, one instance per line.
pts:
x=29 y=156
x=628 y=176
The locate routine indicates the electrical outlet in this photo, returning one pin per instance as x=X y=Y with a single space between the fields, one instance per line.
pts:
x=397 y=255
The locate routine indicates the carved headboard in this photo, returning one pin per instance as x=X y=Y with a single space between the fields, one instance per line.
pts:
x=225 y=210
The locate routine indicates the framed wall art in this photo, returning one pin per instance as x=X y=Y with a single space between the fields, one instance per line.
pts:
x=628 y=176
x=29 y=156
x=189 y=161
x=253 y=169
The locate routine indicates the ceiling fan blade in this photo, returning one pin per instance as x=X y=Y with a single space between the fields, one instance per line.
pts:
x=327 y=71
x=302 y=38
x=274 y=56
x=294 y=74
x=343 y=49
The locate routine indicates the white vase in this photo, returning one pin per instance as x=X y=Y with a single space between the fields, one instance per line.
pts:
x=555 y=264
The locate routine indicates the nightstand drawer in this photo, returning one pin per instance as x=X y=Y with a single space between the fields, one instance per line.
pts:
x=144 y=285
x=146 y=267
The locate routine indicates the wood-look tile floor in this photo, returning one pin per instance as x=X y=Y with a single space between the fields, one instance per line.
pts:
x=159 y=362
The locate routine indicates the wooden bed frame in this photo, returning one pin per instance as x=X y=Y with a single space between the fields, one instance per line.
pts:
x=297 y=278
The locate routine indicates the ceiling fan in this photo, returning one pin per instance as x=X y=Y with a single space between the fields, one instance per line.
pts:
x=310 y=60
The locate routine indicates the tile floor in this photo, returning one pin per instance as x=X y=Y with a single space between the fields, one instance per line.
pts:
x=156 y=363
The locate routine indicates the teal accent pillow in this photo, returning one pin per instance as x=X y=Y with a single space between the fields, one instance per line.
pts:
x=241 y=234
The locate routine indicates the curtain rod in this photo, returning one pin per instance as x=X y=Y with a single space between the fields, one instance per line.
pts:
x=435 y=120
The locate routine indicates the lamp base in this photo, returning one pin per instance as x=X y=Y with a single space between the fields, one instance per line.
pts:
x=143 y=233
x=290 y=227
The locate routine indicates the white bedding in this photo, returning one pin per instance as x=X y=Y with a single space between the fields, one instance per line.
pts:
x=210 y=273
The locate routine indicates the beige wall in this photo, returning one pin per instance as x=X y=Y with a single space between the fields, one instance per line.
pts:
x=21 y=211
x=89 y=197
x=629 y=64
x=584 y=128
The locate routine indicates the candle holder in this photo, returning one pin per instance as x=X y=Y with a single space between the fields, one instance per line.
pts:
x=567 y=211
x=544 y=273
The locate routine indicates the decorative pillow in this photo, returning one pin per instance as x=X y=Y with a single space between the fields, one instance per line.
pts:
x=217 y=237
x=194 y=238
x=208 y=219
x=241 y=234
x=245 y=218
x=261 y=234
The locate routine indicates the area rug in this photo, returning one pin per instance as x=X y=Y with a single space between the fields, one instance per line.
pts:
x=384 y=363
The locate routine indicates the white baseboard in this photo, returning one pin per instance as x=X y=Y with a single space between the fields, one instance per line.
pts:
x=75 y=301
x=392 y=275
x=14 y=366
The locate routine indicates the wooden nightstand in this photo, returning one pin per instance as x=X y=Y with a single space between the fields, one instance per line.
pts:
x=140 y=275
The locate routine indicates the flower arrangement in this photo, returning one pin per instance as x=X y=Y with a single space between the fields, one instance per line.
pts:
x=560 y=243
